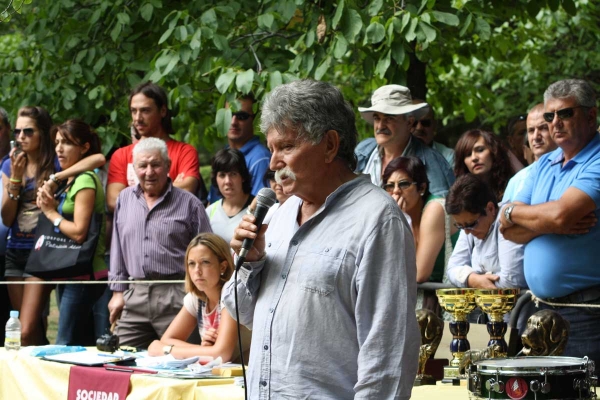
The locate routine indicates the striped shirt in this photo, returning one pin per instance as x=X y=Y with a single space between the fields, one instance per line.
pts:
x=152 y=243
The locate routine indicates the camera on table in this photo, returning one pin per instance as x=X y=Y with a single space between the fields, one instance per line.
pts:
x=108 y=343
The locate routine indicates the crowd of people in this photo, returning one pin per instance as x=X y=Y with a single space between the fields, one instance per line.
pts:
x=331 y=277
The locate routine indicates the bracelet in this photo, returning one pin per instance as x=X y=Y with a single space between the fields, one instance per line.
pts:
x=13 y=186
x=13 y=180
x=13 y=197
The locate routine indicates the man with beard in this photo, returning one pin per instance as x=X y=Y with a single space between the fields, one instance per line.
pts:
x=392 y=114
x=331 y=303
x=151 y=117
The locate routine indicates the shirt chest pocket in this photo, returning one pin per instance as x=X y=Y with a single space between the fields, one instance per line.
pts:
x=490 y=262
x=319 y=269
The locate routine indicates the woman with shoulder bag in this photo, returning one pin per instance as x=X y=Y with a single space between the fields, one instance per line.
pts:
x=73 y=214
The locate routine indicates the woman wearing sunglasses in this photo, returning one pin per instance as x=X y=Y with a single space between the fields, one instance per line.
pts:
x=31 y=164
x=481 y=153
x=406 y=181
x=482 y=257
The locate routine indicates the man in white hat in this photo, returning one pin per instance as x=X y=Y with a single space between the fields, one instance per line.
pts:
x=391 y=107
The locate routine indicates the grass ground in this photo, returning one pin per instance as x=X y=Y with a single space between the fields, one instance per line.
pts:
x=52 y=319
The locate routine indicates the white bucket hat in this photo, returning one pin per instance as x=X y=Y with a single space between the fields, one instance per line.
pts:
x=393 y=100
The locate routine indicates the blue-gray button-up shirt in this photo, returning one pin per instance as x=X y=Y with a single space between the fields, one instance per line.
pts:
x=439 y=172
x=332 y=304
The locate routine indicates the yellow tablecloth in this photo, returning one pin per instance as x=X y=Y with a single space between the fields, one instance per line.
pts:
x=25 y=377
x=440 y=392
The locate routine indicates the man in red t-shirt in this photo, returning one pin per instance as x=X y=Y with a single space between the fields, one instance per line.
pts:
x=151 y=118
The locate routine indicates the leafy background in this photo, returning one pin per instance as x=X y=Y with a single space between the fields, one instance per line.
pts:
x=478 y=62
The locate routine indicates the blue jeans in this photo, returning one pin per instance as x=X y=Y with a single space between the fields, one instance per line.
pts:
x=584 y=332
x=101 y=313
x=76 y=314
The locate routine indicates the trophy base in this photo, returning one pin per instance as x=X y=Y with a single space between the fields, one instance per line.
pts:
x=435 y=368
x=424 y=380
x=452 y=375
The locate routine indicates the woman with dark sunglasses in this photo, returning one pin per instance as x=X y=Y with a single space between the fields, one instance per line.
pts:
x=405 y=179
x=482 y=154
x=482 y=257
x=32 y=163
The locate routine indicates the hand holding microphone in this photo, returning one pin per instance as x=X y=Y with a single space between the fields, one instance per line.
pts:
x=248 y=239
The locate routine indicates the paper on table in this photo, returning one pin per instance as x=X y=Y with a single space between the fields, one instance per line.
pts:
x=165 y=362
x=84 y=358
x=51 y=349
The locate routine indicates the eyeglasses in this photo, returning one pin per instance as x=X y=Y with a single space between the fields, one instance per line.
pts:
x=241 y=115
x=27 y=131
x=470 y=226
x=565 y=113
x=402 y=185
x=425 y=123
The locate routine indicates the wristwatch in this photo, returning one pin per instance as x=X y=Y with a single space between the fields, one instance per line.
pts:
x=57 y=221
x=54 y=179
x=507 y=212
x=167 y=349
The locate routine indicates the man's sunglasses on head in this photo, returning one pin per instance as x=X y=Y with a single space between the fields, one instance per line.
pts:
x=565 y=113
x=241 y=115
x=27 y=131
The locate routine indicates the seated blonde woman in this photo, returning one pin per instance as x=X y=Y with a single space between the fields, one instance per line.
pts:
x=208 y=266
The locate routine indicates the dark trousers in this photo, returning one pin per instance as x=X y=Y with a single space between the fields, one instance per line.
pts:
x=584 y=330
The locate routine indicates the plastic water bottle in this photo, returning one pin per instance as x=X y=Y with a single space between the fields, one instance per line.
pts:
x=13 y=332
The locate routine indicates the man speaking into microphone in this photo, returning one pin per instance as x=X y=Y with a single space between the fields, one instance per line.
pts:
x=329 y=290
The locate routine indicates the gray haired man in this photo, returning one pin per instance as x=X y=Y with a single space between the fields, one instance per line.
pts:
x=153 y=224
x=327 y=296
x=556 y=215
x=392 y=114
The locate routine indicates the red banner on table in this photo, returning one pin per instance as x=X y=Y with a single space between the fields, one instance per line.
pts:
x=89 y=383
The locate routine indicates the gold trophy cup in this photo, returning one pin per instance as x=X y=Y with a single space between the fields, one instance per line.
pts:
x=496 y=303
x=459 y=303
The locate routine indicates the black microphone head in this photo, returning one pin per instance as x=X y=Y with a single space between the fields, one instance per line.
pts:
x=266 y=197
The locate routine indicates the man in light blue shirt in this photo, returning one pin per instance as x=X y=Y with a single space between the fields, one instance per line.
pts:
x=330 y=301
x=540 y=143
x=392 y=114
x=556 y=214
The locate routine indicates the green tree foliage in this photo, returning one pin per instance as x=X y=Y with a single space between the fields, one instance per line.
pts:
x=481 y=59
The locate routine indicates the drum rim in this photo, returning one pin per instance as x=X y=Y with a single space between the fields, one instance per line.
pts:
x=570 y=365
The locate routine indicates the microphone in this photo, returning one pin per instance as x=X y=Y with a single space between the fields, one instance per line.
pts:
x=265 y=200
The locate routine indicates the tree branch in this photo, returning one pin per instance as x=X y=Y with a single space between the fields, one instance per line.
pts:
x=259 y=70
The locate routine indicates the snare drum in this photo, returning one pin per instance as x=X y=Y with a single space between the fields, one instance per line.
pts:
x=538 y=378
